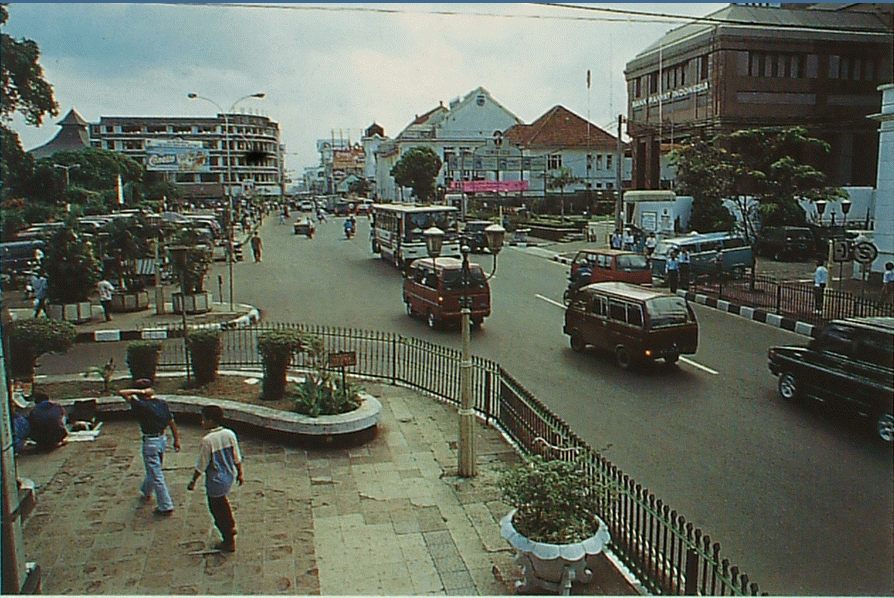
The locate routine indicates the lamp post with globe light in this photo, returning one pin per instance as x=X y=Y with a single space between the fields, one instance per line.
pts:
x=229 y=179
x=434 y=239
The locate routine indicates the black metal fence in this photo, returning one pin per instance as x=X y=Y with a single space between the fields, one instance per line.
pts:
x=666 y=553
x=792 y=299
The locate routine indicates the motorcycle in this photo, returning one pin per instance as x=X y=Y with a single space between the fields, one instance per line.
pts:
x=349 y=229
x=575 y=283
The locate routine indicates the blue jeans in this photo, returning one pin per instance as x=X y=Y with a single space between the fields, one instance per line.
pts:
x=153 y=456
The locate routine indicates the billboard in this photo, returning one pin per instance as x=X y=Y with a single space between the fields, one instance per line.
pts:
x=348 y=158
x=177 y=155
x=490 y=186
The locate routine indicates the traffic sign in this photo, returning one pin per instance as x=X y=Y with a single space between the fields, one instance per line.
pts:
x=841 y=250
x=865 y=252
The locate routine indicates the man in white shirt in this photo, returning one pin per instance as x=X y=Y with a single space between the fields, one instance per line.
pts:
x=105 y=290
x=820 y=279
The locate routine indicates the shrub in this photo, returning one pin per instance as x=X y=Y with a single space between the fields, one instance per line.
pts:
x=142 y=359
x=277 y=348
x=554 y=501
x=314 y=399
x=71 y=267
x=204 y=354
x=29 y=339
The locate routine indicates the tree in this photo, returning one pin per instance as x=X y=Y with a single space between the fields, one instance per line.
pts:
x=560 y=180
x=417 y=169
x=24 y=90
x=71 y=267
x=704 y=172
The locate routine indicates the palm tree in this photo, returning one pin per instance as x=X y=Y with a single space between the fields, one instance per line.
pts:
x=559 y=180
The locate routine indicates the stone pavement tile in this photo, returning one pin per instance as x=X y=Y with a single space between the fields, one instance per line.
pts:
x=427 y=583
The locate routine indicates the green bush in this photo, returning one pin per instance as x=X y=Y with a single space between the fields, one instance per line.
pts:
x=315 y=399
x=277 y=348
x=142 y=359
x=554 y=501
x=204 y=354
x=29 y=339
x=71 y=267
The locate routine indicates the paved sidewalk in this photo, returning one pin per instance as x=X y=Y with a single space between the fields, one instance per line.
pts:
x=386 y=518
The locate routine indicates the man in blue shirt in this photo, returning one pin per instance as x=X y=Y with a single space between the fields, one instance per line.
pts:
x=154 y=417
x=221 y=462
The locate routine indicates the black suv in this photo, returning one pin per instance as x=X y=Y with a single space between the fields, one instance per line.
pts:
x=787 y=242
x=850 y=363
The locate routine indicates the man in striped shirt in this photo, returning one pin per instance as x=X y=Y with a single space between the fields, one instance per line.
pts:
x=221 y=462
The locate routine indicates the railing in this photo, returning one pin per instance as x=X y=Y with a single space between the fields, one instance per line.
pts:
x=666 y=553
x=791 y=299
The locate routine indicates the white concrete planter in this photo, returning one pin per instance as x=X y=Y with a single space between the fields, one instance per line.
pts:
x=199 y=303
x=553 y=567
x=71 y=312
x=124 y=302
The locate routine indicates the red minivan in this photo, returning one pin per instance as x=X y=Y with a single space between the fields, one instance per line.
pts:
x=433 y=289
x=607 y=265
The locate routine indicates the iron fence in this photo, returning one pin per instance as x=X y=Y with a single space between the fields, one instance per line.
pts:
x=792 y=299
x=666 y=553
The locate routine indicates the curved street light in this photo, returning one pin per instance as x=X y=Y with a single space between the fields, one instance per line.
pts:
x=229 y=181
x=434 y=239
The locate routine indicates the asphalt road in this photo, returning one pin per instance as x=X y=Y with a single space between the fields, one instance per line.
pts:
x=800 y=499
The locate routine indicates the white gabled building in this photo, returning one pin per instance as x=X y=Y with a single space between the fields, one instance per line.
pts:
x=460 y=128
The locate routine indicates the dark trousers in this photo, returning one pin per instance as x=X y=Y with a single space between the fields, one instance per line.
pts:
x=684 y=276
x=818 y=293
x=223 y=517
x=106 y=308
x=673 y=277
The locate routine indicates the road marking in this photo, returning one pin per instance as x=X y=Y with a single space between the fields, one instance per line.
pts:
x=699 y=366
x=683 y=359
x=548 y=300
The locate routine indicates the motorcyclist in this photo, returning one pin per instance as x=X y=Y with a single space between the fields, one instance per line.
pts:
x=578 y=280
x=350 y=226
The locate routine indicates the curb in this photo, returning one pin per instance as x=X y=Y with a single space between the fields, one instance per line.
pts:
x=251 y=317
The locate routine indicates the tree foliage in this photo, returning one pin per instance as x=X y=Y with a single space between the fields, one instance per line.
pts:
x=71 y=267
x=418 y=168
x=24 y=89
x=704 y=173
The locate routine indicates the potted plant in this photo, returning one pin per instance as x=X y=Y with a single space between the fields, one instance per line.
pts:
x=321 y=393
x=72 y=272
x=123 y=242
x=277 y=348
x=554 y=524
x=204 y=354
x=142 y=359
x=191 y=258
x=30 y=339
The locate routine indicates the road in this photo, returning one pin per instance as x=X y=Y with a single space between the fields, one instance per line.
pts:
x=799 y=499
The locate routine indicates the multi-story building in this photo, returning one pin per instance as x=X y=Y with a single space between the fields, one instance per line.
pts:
x=255 y=153
x=748 y=66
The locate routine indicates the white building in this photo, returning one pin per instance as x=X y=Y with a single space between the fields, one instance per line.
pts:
x=883 y=234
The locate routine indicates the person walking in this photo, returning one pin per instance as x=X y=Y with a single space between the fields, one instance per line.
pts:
x=650 y=244
x=820 y=280
x=256 y=246
x=39 y=284
x=154 y=417
x=672 y=270
x=887 y=283
x=684 y=268
x=221 y=461
x=105 y=290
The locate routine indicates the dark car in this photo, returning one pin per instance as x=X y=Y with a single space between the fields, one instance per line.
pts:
x=477 y=239
x=787 y=242
x=850 y=364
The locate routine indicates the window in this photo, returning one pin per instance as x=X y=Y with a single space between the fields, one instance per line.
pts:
x=599 y=162
x=554 y=162
x=703 y=67
x=634 y=315
x=608 y=162
x=598 y=306
x=653 y=83
x=637 y=87
x=617 y=310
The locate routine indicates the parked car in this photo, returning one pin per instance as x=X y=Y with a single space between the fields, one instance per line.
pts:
x=433 y=289
x=738 y=255
x=637 y=324
x=603 y=265
x=787 y=242
x=849 y=364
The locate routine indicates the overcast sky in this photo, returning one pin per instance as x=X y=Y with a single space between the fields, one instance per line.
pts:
x=334 y=69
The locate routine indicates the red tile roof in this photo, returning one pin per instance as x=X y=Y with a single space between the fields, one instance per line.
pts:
x=560 y=128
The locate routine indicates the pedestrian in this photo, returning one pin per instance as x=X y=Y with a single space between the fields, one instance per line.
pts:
x=105 y=290
x=718 y=266
x=820 y=280
x=672 y=270
x=616 y=240
x=887 y=282
x=47 y=422
x=256 y=246
x=651 y=243
x=684 y=268
x=154 y=417
x=629 y=240
x=221 y=462
x=39 y=284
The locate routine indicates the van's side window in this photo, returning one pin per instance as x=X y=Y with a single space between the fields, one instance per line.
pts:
x=605 y=261
x=634 y=315
x=712 y=246
x=733 y=242
x=617 y=310
x=431 y=280
x=598 y=306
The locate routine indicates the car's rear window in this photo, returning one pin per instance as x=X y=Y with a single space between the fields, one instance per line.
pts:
x=667 y=311
x=453 y=279
x=632 y=262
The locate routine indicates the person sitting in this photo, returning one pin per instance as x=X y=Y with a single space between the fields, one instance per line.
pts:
x=47 y=421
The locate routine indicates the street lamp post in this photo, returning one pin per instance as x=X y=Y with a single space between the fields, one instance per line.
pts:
x=434 y=238
x=229 y=181
x=178 y=255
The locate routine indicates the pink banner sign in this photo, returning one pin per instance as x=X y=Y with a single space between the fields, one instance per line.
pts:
x=489 y=186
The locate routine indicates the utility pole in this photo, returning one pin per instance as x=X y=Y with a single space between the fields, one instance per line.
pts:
x=619 y=205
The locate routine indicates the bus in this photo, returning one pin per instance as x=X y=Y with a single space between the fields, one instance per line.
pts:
x=396 y=231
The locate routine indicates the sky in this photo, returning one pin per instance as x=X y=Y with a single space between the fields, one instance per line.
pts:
x=331 y=70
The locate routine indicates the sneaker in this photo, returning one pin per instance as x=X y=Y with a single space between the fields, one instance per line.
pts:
x=161 y=513
x=226 y=546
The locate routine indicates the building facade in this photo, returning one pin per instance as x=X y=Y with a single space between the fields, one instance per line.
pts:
x=748 y=66
x=255 y=153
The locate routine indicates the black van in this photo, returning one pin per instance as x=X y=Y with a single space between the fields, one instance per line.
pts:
x=18 y=256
